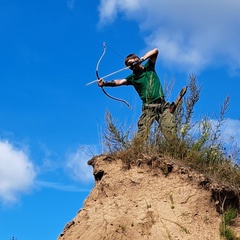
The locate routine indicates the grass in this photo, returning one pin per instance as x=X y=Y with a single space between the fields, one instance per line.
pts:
x=201 y=145
x=225 y=227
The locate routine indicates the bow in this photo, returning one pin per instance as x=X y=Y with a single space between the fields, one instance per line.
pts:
x=98 y=77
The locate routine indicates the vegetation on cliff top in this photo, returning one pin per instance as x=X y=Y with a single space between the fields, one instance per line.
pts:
x=201 y=145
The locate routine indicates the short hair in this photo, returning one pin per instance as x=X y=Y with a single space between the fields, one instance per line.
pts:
x=130 y=56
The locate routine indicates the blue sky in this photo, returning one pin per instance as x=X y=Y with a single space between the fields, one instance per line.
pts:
x=51 y=123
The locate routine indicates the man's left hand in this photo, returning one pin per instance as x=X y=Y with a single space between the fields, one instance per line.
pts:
x=100 y=82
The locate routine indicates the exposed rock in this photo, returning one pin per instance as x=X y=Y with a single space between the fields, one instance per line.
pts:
x=159 y=201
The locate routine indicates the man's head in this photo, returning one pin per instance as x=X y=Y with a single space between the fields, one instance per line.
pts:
x=130 y=59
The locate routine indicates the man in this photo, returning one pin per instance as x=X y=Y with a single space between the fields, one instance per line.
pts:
x=147 y=84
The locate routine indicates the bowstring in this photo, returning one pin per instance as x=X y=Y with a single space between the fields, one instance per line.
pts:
x=104 y=91
x=114 y=51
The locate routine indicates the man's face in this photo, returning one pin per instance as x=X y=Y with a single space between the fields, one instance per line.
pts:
x=131 y=60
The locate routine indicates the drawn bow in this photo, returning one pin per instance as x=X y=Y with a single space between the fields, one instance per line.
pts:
x=98 y=77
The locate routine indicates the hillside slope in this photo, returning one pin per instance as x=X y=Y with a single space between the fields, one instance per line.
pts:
x=148 y=202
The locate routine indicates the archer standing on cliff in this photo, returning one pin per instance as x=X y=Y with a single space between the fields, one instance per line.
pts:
x=147 y=84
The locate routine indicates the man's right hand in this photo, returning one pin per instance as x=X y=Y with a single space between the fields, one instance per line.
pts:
x=136 y=63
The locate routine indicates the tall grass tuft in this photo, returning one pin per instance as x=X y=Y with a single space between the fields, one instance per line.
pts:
x=200 y=145
x=225 y=226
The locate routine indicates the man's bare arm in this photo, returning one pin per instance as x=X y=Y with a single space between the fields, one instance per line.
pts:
x=113 y=83
x=152 y=55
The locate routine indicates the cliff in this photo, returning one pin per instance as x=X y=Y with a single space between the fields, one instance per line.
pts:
x=157 y=199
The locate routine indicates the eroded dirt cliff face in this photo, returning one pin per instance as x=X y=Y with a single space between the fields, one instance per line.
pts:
x=167 y=202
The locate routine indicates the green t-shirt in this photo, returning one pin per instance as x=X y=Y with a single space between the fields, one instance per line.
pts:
x=146 y=83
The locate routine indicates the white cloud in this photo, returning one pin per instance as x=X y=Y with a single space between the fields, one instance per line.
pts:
x=190 y=35
x=231 y=128
x=61 y=187
x=17 y=173
x=70 y=3
x=108 y=9
x=77 y=165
